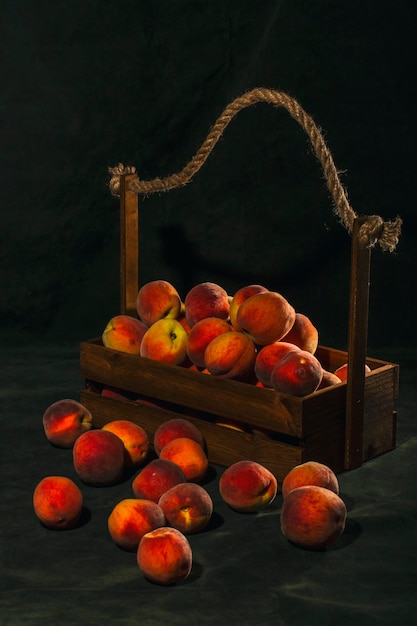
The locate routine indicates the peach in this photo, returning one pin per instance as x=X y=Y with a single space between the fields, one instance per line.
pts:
x=230 y=355
x=247 y=486
x=156 y=478
x=157 y=300
x=98 y=457
x=206 y=300
x=64 y=421
x=310 y=473
x=166 y=341
x=116 y=394
x=268 y=356
x=135 y=440
x=175 y=428
x=57 y=502
x=328 y=379
x=342 y=371
x=187 y=507
x=200 y=336
x=298 y=373
x=132 y=518
x=303 y=333
x=313 y=517
x=124 y=333
x=232 y=424
x=189 y=455
x=243 y=294
x=265 y=317
x=164 y=556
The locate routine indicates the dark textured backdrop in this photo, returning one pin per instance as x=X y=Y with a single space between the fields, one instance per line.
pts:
x=88 y=84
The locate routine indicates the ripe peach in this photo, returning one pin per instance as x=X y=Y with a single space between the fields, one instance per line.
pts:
x=57 y=502
x=189 y=455
x=135 y=440
x=342 y=371
x=313 y=517
x=64 y=421
x=98 y=457
x=310 y=473
x=166 y=341
x=303 y=333
x=187 y=507
x=206 y=300
x=200 y=336
x=132 y=518
x=175 y=428
x=156 y=478
x=116 y=394
x=164 y=556
x=328 y=379
x=247 y=486
x=298 y=373
x=232 y=424
x=268 y=356
x=243 y=294
x=124 y=333
x=230 y=355
x=156 y=300
x=265 y=317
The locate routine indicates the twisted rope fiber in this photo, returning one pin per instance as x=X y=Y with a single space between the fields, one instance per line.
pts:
x=373 y=230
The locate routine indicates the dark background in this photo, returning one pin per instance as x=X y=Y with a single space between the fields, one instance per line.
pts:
x=88 y=84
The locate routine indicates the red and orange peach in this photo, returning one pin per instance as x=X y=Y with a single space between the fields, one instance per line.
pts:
x=342 y=371
x=298 y=373
x=310 y=473
x=99 y=457
x=187 y=507
x=131 y=519
x=164 y=556
x=135 y=440
x=313 y=517
x=157 y=299
x=243 y=294
x=189 y=455
x=156 y=478
x=166 y=341
x=201 y=334
x=268 y=356
x=266 y=317
x=231 y=355
x=57 y=502
x=64 y=421
x=247 y=486
x=303 y=334
x=124 y=333
x=175 y=428
x=206 y=299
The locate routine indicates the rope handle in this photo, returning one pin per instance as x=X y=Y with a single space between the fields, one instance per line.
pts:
x=373 y=230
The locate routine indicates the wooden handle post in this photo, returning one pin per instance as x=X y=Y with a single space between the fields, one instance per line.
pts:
x=357 y=348
x=129 y=246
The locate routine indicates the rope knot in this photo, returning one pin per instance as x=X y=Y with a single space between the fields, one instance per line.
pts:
x=375 y=230
x=116 y=172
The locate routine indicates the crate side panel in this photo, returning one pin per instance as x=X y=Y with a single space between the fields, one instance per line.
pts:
x=264 y=408
x=225 y=446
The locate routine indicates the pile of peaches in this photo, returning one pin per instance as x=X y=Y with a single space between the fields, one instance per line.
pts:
x=254 y=336
x=168 y=502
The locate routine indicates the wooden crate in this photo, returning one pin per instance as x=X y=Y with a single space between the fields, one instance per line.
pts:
x=341 y=426
x=312 y=427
